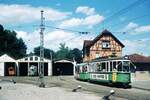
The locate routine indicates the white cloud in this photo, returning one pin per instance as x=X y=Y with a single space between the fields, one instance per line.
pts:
x=89 y=21
x=143 y=29
x=93 y=20
x=75 y=40
x=53 y=39
x=85 y=10
x=134 y=29
x=21 y=34
x=72 y=40
x=31 y=39
x=71 y=22
x=136 y=46
x=25 y=13
x=131 y=26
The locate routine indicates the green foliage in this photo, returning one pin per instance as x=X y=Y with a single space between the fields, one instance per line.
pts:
x=10 y=44
x=47 y=52
x=65 y=53
x=62 y=52
x=75 y=54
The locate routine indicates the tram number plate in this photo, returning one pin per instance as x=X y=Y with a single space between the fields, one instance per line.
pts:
x=99 y=76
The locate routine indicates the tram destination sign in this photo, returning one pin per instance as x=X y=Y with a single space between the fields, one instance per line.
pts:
x=99 y=76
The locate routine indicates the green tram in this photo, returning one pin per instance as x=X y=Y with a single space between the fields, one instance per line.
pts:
x=111 y=71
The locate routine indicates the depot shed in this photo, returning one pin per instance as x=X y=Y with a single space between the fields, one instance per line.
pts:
x=8 y=66
x=32 y=64
x=142 y=63
x=63 y=67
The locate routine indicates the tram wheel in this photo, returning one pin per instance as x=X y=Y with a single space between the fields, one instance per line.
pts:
x=125 y=86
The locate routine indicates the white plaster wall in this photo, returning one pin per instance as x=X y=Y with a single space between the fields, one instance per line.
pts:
x=1 y=69
x=74 y=64
x=50 y=68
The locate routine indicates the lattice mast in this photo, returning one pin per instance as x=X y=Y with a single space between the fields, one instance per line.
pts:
x=41 y=74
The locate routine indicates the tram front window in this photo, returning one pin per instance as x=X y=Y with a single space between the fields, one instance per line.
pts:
x=126 y=65
x=119 y=66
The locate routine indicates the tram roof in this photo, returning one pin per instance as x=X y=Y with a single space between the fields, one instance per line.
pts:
x=110 y=59
x=82 y=64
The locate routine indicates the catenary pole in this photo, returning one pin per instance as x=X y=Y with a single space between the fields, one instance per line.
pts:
x=41 y=74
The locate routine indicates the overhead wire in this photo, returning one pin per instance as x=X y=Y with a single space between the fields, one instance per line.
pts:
x=131 y=19
x=81 y=32
x=125 y=10
x=120 y=12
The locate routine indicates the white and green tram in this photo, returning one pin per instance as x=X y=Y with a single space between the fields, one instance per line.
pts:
x=114 y=71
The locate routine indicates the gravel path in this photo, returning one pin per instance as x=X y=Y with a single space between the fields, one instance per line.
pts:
x=66 y=83
x=20 y=91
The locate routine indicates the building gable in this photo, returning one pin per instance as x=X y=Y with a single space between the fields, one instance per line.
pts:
x=104 y=45
x=6 y=58
x=107 y=34
x=32 y=58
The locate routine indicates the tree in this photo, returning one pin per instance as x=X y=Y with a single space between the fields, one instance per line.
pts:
x=75 y=54
x=1 y=28
x=47 y=52
x=62 y=52
x=71 y=54
x=10 y=44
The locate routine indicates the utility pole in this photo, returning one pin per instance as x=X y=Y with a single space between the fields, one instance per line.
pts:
x=41 y=74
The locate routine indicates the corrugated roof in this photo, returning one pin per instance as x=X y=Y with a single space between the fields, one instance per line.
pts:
x=138 y=58
x=87 y=43
x=63 y=61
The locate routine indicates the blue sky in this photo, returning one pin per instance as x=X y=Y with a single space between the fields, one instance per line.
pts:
x=83 y=15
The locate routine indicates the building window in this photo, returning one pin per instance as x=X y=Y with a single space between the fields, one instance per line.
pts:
x=31 y=58
x=36 y=58
x=106 y=44
x=97 y=55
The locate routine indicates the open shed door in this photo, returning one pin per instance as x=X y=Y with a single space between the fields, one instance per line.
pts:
x=63 y=68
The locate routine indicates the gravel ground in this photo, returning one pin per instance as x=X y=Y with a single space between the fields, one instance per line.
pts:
x=20 y=91
x=68 y=83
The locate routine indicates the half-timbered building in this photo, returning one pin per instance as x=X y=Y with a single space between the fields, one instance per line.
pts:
x=104 y=45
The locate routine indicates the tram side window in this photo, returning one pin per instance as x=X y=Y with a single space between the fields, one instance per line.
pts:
x=99 y=67
x=84 y=68
x=110 y=66
x=119 y=64
x=114 y=66
x=94 y=68
x=107 y=66
x=91 y=68
x=80 y=69
x=103 y=67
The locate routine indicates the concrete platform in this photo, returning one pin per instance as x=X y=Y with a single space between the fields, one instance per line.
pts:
x=144 y=85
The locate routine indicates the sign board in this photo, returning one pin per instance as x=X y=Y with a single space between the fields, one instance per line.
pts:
x=99 y=76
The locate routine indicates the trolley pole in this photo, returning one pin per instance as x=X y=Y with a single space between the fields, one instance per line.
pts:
x=41 y=69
